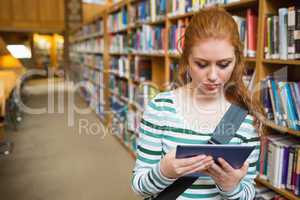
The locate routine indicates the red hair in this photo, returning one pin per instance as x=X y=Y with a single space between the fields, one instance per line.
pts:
x=216 y=23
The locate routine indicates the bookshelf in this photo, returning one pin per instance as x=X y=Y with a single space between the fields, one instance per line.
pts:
x=124 y=25
x=284 y=193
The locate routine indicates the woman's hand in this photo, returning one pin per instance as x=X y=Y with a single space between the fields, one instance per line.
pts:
x=225 y=176
x=174 y=168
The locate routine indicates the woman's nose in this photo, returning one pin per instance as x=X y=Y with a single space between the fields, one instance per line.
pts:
x=212 y=74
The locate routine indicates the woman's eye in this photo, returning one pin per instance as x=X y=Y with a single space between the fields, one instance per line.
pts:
x=224 y=65
x=201 y=65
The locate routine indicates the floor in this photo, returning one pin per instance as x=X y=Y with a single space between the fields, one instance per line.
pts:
x=59 y=159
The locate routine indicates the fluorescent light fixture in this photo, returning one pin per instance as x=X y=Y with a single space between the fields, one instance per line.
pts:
x=19 y=51
x=94 y=1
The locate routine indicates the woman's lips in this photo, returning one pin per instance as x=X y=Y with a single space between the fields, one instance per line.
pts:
x=211 y=86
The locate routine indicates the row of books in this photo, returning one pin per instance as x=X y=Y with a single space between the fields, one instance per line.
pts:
x=147 y=10
x=95 y=77
x=282 y=34
x=158 y=9
x=139 y=69
x=279 y=162
x=117 y=21
x=120 y=129
x=97 y=101
x=148 y=39
x=176 y=36
x=178 y=7
x=133 y=120
x=118 y=43
x=141 y=94
x=248 y=31
x=96 y=27
x=140 y=12
x=95 y=45
x=118 y=86
x=247 y=28
x=91 y=90
x=120 y=66
x=281 y=101
x=154 y=10
x=93 y=61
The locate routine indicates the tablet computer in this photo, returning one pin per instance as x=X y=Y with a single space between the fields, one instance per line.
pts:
x=235 y=155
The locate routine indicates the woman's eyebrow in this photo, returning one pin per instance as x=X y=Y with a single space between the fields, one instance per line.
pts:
x=221 y=60
x=225 y=59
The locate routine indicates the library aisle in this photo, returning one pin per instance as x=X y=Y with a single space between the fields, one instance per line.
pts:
x=53 y=161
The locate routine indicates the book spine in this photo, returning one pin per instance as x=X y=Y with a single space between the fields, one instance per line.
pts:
x=252 y=32
x=283 y=103
x=276 y=37
x=291 y=108
x=277 y=101
x=290 y=168
x=283 y=51
x=270 y=168
x=297 y=33
x=296 y=101
x=291 y=29
x=285 y=165
x=277 y=166
x=272 y=97
x=266 y=33
x=297 y=191
x=266 y=100
x=269 y=37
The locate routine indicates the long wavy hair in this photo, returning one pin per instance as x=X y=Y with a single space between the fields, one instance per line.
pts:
x=216 y=23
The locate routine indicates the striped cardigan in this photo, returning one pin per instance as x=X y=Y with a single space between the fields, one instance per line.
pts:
x=161 y=130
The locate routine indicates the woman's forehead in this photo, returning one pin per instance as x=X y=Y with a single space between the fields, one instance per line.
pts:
x=213 y=49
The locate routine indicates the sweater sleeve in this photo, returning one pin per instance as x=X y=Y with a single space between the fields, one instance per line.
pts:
x=246 y=190
x=147 y=179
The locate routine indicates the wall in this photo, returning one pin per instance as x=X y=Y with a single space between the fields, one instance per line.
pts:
x=32 y=15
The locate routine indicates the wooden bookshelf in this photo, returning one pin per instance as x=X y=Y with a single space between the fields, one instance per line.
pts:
x=79 y=39
x=287 y=194
x=282 y=129
x=160 y=61
x=282 y=62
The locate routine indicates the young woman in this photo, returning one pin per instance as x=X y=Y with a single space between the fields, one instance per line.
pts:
x=212 y=57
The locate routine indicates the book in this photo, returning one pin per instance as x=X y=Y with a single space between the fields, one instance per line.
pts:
x=228 y=152
x=251 y=17
x=118 y=21
x=282 y=34
x=149 y=39
x=291 y=29
x=297 y=33
x=283 y=40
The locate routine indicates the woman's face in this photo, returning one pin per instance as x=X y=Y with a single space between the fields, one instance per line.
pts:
x=211 y=64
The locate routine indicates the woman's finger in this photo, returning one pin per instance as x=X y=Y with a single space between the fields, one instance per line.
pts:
x=182 y=162
x=217 y=171
x=244 y=168
x=205 y=165
x=195 y=165
x=225 y=165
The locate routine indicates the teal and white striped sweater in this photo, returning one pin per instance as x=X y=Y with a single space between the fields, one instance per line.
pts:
x=161 y=130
